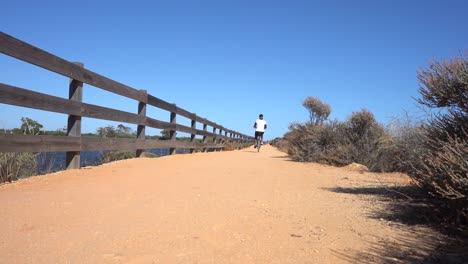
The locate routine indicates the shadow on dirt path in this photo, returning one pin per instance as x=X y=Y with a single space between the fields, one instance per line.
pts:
x=406 y=206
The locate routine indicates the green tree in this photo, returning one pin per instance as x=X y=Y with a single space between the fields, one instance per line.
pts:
x=364 y=134
x=124 y=130
x=165 y=134
x=318 y=110
x=30 y=127
x=107 y=132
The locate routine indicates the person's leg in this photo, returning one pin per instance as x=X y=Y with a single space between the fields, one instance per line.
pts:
x=256 y=135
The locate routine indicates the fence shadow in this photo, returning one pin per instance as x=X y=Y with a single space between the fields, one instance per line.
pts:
x=409 y=206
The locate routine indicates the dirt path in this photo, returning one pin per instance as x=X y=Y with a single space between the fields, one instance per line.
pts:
x=225 y=207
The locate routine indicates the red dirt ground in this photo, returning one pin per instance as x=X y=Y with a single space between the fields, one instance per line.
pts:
x=223 y=207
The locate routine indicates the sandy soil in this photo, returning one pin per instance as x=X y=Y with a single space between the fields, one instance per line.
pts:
x=224 y=207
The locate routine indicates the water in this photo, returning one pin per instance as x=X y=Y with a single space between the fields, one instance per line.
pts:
x=56 y=161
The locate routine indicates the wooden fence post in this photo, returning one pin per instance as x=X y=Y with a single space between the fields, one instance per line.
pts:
x=192 y=136
x=214 y=137
x=205 y=138
x=173 y=133
x=220 y=140
x=141 y=128
x=75 y=93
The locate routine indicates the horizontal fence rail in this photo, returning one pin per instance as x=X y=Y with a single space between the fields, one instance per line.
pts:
x=214 y=136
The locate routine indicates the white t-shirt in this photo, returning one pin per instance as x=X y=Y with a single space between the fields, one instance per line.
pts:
x=260 y=125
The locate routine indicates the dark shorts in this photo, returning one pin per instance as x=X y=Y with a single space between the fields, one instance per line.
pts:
x=258 y=133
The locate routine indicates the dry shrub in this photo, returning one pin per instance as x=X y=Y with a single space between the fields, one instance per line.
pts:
x=366 y=135
x=442 y=168
x=14 y=166
x=338 y=143
x=444 y=172
x=400 y=146
x=318 y=143
x=281 y=144
x=228 y=146
x=116 y=155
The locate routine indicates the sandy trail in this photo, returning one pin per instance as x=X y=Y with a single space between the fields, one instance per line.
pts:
x=224 y=207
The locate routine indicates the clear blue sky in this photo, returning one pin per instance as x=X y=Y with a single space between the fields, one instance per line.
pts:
x=228 y=61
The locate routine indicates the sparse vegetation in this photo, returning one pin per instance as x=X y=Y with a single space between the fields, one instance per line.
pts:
x=442 y=169
x=433 y=152
x=116 y=155
x=337 y=143
x=280 y=143
x=120 y=132
x=14 y=166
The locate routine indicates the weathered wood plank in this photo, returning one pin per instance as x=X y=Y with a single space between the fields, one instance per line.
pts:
x=97 y=143
x=100 y=112
x=181 y=128
x=206 y=121
x=29 y=143
x=21 y=97
x=203 y=133
x=23 y=51
x=154 y=101
x=185 y=113
x=154 y=123
x=185 y=129
x=37 y=143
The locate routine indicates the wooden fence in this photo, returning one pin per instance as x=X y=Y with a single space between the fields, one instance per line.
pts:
x=75 y=108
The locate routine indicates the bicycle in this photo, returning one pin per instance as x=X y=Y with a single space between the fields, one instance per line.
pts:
x=259 y=143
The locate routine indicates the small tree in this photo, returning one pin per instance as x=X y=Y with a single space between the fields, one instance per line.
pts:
x=30 y=127
x=318 y=110
x=125 y=130
x=107 y=132
x=364 y=133
x=165 y=134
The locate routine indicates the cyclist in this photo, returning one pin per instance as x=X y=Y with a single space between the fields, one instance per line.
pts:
x=260 y=126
